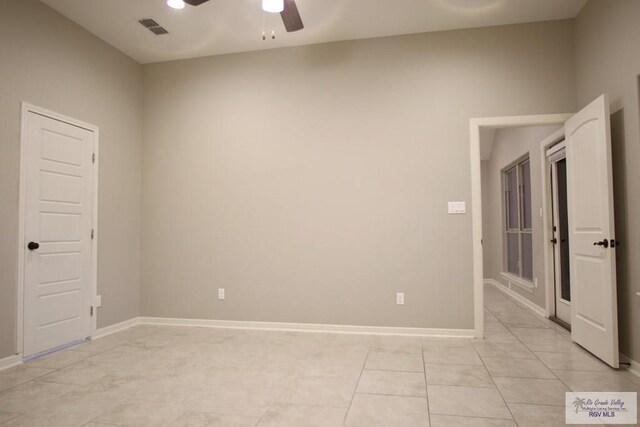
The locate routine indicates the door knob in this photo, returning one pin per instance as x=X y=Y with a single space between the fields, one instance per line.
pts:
x=604 y=243
x=33 y=246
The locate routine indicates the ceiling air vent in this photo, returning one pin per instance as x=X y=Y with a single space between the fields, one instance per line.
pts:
x=153 y=26
x=158 y=31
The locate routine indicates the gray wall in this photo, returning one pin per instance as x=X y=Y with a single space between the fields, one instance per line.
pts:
x=51 y=62
x=312 y=182
x=608 y=60
x=510 y=145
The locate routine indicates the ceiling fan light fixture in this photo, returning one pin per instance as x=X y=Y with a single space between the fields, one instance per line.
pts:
x=175 y=4
x=273 y=6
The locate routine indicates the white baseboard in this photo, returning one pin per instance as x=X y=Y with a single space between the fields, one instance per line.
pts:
x=634 y=367
x=288 y=327
x=517 y=281
x=14 y=360
x=310 y=327
x=516 y=296
x=10 y=361
x=117 y=327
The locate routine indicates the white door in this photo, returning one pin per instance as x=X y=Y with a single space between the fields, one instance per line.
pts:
x=594 y=311
x=58 y=216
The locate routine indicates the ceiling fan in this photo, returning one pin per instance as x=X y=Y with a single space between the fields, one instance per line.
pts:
x=287 y=8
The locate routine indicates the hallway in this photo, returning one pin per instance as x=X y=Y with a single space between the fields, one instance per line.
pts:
x=532 y=360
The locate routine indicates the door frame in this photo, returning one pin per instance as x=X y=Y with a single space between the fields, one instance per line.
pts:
x=547 y=221
x=27 y=108
x=475 y=125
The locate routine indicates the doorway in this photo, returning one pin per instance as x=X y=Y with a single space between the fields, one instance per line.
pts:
x=591 y=229
x=560 y=235
x=57 y=237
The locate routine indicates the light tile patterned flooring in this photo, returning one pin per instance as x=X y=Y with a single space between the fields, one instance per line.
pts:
x=187 y=376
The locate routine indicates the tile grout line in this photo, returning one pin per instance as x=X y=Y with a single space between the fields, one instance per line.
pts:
x=390 y=395
x=261 y=417
x=426 y=387
x=39 y=378
x=508 y=330
x=536 y=356
x=518 y=339
x=397 y=370
x=344 y=420
x=495 y=385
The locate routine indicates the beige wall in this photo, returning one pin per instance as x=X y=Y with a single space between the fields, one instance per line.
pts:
x=48 y=61
x=608 y=60
x=510 y=145
x=312 y=182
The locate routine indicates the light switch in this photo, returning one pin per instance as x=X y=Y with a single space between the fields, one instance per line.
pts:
x=457 y=207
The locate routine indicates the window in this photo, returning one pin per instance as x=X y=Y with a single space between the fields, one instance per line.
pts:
x=518 y=235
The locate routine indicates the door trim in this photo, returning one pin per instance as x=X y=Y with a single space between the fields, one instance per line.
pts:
x=27 y=108
x=475 y=125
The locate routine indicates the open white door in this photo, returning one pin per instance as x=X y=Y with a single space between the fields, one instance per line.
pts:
x=594 y=310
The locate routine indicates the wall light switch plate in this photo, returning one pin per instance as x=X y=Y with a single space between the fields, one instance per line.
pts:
x=221 y=293
x=400 y=298
x=457 y=207
x=97 y=301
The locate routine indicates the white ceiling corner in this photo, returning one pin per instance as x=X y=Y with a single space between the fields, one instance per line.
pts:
x=487 y=138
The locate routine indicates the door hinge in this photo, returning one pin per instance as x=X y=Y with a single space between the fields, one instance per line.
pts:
x=93 y=158
x=92 y=234
x=91 y=311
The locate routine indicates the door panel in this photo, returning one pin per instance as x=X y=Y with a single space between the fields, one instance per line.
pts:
x=57 y=187
x=594 y=314
x=58 y=216
x=62 y=147
x=57 y=227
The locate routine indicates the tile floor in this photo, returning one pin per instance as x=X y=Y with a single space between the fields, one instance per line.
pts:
x=175 y=376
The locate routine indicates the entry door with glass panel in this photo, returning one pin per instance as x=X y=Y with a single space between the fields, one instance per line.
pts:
x=58 y=204
x=562 y=277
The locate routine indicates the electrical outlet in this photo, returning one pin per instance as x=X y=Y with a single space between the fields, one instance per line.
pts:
x=220 y=293
x=400 y=298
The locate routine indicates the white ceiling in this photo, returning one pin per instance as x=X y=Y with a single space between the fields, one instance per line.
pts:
x=225 y=26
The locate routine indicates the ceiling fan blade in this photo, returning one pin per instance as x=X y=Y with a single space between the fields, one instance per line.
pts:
x=195 y=2
x=291 y=16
